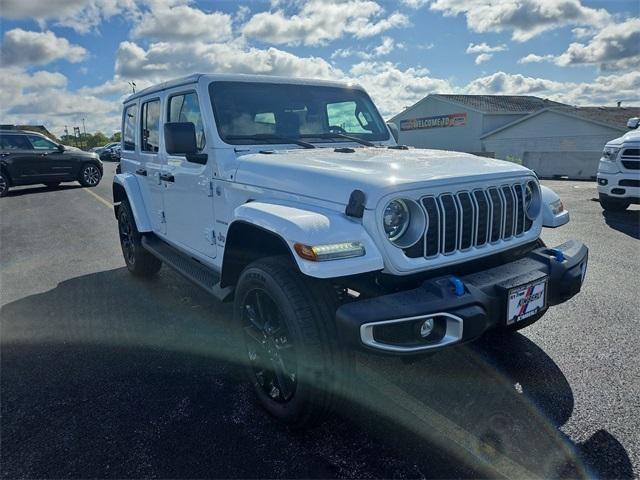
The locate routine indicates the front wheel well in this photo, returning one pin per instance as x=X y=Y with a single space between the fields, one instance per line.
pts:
x=246 y=243
x=119 y=195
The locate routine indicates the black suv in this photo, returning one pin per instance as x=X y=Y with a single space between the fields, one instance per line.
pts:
x=28 y=158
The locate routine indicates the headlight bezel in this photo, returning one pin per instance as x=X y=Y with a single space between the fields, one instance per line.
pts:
x=533 y=206
x=413 y=229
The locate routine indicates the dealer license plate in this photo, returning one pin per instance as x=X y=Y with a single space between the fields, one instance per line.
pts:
x=526 y=301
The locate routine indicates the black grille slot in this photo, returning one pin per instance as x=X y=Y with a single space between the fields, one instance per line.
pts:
x=629 y=183
x=416 y=250
x=496 y=219
x=631 y=165
x=433 y=231
x=483 y=217
x=466 y=231
x=631 y=152
x=519 y=209
x=450 y=230
x=509 y=212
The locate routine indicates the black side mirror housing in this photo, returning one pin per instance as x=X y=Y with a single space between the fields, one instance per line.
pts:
x=180 y=139
x=393 y=128
x=61 y=148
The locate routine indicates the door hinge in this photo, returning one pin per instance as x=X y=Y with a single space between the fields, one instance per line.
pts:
x=210 y=235
x=210 y=194
x=163 y=219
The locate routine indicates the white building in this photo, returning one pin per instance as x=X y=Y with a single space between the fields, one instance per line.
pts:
x=552 y=138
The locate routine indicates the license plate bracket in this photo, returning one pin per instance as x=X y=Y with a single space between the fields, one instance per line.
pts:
x=527 y=300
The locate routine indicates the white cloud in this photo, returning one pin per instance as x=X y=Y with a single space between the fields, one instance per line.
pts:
x=525 y=18
x=615 y=46
x=80 y=15
x=484 y=48
x=182 y=22
x=483 y=57
x=320 y=21
x=387 y=46
x=415 y=4
x=533 y=58
x=22 y=47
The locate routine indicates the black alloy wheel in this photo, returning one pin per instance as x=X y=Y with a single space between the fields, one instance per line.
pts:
x=269 y=348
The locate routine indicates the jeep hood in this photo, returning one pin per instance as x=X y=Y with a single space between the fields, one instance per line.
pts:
x=632 y=136
x=329 y=175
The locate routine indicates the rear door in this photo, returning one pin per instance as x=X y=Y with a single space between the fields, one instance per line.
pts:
x=188 y=197
x=18 y=157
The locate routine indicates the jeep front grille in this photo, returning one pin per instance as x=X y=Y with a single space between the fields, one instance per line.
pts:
x=465 y=219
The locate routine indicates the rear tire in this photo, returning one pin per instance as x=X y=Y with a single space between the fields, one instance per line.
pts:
x=613 y=205
x=139 y=261
x=4 y=185
x=294 y=362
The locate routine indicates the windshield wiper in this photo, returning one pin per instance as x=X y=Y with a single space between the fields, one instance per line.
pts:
x=268 y=136
x=339 y=135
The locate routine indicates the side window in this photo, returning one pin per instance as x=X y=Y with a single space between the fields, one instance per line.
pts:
x=185 y=108
x=346 y=116
x=40 y=143
x=14 y=142
x=150 y=132
x=129 y=127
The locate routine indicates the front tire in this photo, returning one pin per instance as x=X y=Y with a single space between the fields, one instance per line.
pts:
x=613 y=204
x=139 y=261
x=294 y=362
x=90 y=175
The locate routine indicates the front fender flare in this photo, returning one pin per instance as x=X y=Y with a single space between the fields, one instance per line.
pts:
x=549 y=219
x=132 y=190
x=298 y=224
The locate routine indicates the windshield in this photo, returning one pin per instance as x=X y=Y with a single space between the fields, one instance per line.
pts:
x=253 y=113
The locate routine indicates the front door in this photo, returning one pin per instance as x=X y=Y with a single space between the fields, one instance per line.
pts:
x=188 y=194
x=18 y=157
x=51 y=163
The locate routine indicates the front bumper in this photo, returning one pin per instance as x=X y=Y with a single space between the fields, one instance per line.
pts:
x=386 y=324
x=621 y=185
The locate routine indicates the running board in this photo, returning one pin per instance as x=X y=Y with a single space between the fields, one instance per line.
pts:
x=192 y=269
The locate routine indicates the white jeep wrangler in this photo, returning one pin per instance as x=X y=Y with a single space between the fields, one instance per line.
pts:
x=292 y=198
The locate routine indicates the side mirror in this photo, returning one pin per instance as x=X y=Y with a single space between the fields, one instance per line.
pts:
x=180 y=139
x=61 y=148
x=633 y=123
x=393 y=128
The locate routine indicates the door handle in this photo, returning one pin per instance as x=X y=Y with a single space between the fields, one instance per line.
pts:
x=167 y=177
x=141 y=171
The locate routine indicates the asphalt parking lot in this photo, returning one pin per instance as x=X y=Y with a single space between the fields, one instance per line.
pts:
x=105 y=375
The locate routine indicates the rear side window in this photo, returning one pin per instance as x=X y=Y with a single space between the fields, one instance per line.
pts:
x=14 y=142
x=40 y=143
x=185 y=108
x=150 y=126
x=129 y=127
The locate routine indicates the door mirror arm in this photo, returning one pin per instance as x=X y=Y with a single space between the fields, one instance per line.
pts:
x=61 y=148
x=200 y=158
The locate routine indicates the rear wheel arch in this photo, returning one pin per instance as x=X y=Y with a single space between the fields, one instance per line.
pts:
x=246 y=243
x=7 y=175
x=119 y=195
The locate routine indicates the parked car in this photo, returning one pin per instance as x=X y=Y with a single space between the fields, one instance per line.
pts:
x=619 y=170
x=108 y=146
x=292 y=198
x=111 y=154
x=28 y=158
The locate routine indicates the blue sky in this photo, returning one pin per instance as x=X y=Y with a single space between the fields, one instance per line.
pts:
x=64 y=60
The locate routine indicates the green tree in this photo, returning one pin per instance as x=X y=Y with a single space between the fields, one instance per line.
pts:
x=116 y=137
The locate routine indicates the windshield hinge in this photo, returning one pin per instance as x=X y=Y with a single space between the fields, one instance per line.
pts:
x=210 y=193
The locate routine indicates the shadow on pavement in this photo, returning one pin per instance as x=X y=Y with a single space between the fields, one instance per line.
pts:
x=107 y=375
x=627 y=222
x=19 y=191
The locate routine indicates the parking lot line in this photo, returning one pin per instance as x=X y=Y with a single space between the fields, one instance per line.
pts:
x=98 y=197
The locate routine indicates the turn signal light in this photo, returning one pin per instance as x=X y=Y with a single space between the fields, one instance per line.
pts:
x=331 y=251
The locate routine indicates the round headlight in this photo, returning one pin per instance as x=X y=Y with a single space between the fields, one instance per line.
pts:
x=532 y=200
x=396 y=219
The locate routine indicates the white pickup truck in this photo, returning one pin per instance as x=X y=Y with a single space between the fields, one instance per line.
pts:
x=619 y=170
x=292 y=198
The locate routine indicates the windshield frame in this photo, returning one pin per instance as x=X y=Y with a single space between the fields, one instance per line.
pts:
x=385 y=136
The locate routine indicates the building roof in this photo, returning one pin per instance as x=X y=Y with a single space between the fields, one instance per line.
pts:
x=502 y=103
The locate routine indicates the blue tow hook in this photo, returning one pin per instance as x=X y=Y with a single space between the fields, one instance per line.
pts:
x=458 y=286
x=557 y=254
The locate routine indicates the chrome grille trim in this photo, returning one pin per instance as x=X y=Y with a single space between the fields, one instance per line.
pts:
x=493 y=214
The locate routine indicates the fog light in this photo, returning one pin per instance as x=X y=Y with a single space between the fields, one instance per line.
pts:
x=426 y=328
